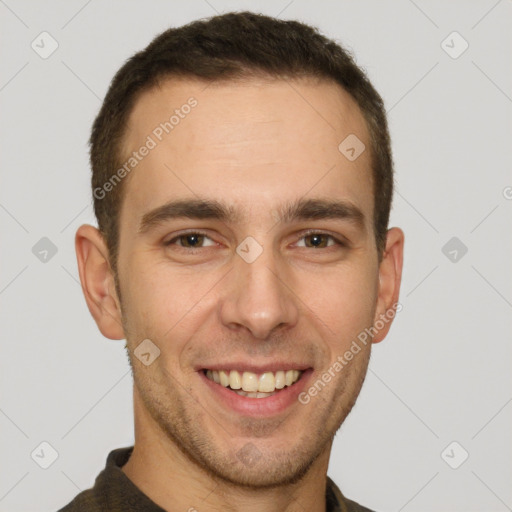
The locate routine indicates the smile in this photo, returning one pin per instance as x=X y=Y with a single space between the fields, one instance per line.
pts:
x=252 y=385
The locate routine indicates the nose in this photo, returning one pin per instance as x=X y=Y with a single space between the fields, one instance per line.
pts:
x=258 y=298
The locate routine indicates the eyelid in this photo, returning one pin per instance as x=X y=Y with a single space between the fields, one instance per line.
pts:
x=339 y=239
x=178 y=235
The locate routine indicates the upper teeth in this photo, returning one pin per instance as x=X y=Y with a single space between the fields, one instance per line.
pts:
x=248 y=381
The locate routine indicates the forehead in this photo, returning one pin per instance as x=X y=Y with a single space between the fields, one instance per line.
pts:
x=252 y=143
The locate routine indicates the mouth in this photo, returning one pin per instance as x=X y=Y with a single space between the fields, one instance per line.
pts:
x=254 y=385
x=258 y=393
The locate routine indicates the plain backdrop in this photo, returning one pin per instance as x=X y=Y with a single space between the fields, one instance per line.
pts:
x=438 y=389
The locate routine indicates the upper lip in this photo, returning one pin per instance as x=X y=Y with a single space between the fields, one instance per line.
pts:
x=254 y=368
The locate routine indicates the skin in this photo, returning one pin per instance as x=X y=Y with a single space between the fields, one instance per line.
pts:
x=255 y=145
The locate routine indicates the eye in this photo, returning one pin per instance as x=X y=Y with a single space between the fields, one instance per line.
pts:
x=318 y=240
x=191 y=240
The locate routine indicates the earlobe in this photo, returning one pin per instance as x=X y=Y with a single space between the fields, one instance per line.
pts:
x=98 y=281
x=390 y=277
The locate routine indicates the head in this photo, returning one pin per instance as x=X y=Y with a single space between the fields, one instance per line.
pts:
x=243 y=237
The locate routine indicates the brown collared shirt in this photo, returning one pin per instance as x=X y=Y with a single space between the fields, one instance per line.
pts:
x=113 y=491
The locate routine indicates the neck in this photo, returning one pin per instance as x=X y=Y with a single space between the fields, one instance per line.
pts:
x=176 y=483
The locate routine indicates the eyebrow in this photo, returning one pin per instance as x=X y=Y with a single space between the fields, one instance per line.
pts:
x=320 y=209
x=302 y=209
x=187 y=208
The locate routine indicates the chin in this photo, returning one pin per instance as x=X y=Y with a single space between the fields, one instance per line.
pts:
x=261 y=474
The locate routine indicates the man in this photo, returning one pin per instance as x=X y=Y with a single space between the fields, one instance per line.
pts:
x=242 y=182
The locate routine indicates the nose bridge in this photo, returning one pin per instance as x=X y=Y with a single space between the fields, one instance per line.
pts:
x=257 y=298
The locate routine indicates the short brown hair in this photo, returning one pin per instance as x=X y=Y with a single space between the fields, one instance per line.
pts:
x=225 y=47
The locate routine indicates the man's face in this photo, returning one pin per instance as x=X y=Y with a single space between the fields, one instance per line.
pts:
x=292 y=296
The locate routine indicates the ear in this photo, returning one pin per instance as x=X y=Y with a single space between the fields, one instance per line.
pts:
x=97 y=281
x=390 y=277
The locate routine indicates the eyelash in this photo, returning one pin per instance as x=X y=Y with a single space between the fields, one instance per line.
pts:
x=322 y=233
x=337 y=241
x=188 y=233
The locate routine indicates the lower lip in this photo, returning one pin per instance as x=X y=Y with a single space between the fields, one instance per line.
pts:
x=258 y=407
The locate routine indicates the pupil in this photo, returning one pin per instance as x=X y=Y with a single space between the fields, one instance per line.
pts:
x=316 y=240
x=193 y=240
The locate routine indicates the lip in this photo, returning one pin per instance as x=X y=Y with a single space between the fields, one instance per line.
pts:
x=258 y=407
x=254 y=368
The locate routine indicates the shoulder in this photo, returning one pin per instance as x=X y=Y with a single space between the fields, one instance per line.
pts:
x=84 y=502
x=337 y=502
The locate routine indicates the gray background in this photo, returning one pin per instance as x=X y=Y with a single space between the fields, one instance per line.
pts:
x=443 y=373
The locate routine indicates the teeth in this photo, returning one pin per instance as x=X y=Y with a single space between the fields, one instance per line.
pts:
x=254 y=386
x=249 y=382
x=235 y=382
x=224 y=378
x=280 y=380
x=267 y=382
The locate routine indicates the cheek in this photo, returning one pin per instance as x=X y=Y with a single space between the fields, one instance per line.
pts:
x=161 y=302
x=343 y=301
